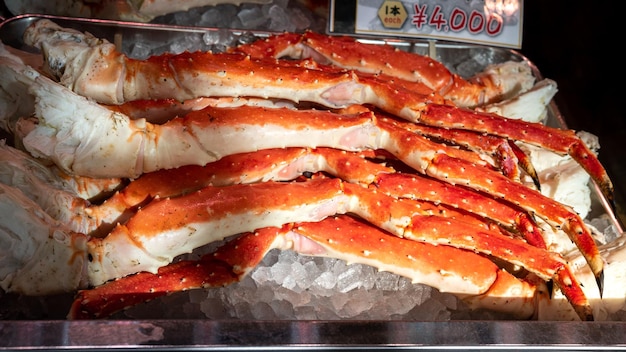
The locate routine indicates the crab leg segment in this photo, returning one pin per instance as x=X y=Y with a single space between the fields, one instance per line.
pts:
x=267 y=164
x=417 y=187
x=73 y=58
x=224 y=267
x=343 y=237
x=194 y=75
x=206 y=216
x=557 y=140
x=508 y=154
x=206 y=135
x=214 y=213
x=551 y=211
x=348 y=53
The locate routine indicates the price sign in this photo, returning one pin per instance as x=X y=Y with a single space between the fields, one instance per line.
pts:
x=488 y=22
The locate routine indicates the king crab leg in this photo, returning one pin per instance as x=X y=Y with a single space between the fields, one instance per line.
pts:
x=341 y=89
x=212 y=214
x=509 y=157
x=189 y=137
x=557 y=140
x=282 y=164
x=344 y=237
x=193 y=75
x=497 y=83
x=508 y=154
x=267 y=164
x=413 y=186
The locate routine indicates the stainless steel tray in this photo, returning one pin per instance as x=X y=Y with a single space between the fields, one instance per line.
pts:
x=51 y=331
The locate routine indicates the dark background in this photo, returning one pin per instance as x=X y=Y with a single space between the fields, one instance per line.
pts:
x=578 y=44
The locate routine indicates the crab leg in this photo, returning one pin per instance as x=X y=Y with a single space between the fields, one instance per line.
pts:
x=416 y=187
x=71 y=56
x=267 y=164
x=428 y=228
x=508 y=154
x=199 y=138
x=212 y=214
x=557 y=140
x=97 y=220
x=204 y=136
x=481 y=285
x=495 y=84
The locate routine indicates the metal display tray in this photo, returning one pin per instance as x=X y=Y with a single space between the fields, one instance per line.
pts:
x=198 y=334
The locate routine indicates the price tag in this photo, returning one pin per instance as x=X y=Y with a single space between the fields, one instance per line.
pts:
x=487 y=22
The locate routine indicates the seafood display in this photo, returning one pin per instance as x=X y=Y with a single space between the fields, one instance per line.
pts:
x=321 y=145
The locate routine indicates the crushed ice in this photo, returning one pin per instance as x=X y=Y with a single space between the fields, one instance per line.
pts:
x=222 y=20
x=287 y=285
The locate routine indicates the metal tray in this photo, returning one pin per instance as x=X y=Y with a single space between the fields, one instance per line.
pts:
x=168 y=334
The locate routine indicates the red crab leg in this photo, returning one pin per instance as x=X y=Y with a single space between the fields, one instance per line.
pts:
x=414 y=186
x=481 y=284
x=288 y=127
x=386 y=212
x=275 y=164
x=508 y=154
x=204 y=216
x=203 y=74
x=226 y=266
x=348 y=53
x=287 y=164
x=192 y=75
x=553 y=212
x=212 y=214
x=365 y=131
x=557 y=140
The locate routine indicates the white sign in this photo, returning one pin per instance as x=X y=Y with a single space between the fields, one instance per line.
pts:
x=487 y=22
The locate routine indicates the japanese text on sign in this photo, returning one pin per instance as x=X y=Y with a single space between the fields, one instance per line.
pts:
x=490 y=22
